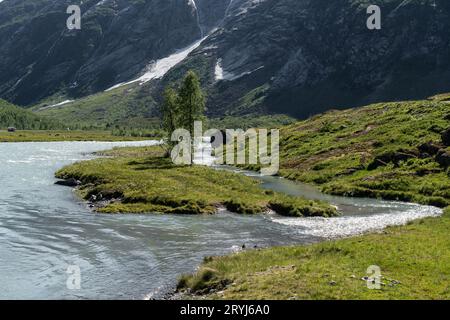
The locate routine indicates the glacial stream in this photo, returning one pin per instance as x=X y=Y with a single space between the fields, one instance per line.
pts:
x=45 y=229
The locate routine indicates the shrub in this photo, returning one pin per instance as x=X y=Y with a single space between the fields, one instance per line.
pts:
x=242 y=208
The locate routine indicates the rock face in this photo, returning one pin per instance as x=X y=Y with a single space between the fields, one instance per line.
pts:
x=305 y=56
x=39 y=56
x=299 y=57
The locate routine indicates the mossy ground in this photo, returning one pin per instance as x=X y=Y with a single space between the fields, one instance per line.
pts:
x=414 y=262
x=142 y=180
x=62 y=135
x=335 y=150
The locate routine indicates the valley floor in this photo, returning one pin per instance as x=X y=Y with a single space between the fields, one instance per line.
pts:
x=62 y=135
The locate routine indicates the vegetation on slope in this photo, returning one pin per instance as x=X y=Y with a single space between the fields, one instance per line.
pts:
x=393 y=151
x=131 y=108
x=413 y=259
x=12 y=116
x=142 y=180
x=124 y=107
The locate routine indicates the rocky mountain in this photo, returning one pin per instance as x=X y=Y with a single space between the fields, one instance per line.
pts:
x=298 y=57
x=305 y=56
x=39 y=56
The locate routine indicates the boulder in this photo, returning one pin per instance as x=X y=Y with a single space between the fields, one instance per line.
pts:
x=443 y=158
x=429 y=148
x=69 y=182
x=446 y=137
x=392 y=157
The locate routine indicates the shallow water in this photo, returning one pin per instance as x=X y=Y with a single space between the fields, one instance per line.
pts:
x=44 y=229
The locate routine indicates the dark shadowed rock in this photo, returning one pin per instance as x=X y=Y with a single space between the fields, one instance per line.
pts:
x=429 y=148
x=69 y=182
x=394 y=157
x=446 y=137
x=443 y=158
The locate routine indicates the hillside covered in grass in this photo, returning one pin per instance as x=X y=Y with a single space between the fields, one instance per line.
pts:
x=63 y=135
x=131 y=108
x=142 y=180
x=413 y=259
x=12 y=116
x=394 y=151
x=122 y=107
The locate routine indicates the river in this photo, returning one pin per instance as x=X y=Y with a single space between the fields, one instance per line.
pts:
x=44 y=229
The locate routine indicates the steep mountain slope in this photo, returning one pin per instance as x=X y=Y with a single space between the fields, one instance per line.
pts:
x=297 y=57
x=39 y=56
x=303 y=57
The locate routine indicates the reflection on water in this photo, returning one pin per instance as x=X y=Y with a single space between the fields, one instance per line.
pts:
x=44 y=229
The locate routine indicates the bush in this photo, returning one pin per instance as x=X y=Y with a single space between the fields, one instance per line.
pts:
x=296 y=207
x=242 y=208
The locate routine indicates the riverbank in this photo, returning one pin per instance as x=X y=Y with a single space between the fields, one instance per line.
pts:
x=142 y=180
x=394 y=151
x=414 y=262
x=63 y=135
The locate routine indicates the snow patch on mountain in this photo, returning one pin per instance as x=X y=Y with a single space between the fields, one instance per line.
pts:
x=54 y=105
x=158 y=69
x=221 y=74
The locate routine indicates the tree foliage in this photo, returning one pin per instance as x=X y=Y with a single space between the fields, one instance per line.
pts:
x=192 y=101
x=182 y=107
x=12 y=116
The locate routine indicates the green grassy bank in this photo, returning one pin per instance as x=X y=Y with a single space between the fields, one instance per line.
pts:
x=392 y=151
x=63 y=135
x=142 y=180
x=414 y=262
